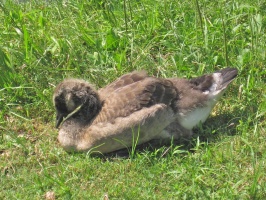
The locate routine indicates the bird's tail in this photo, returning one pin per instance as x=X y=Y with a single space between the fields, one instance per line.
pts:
x=226 y=76
x=215 y=82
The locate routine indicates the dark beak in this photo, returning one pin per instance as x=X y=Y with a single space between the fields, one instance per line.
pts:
x=59 y=119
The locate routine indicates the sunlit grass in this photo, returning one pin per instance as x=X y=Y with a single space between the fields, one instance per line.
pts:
x=43 y=42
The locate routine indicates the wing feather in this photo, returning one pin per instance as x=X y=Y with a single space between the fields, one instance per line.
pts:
x=133 y=97
x=123 y=81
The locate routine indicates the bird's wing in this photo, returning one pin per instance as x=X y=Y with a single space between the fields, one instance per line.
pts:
x=123 y=81
x=196 y=92
x=128 y=99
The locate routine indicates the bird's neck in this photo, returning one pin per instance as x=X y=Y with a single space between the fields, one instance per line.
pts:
x=88 y=112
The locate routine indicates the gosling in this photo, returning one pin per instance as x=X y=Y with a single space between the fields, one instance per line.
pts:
x=134 y=109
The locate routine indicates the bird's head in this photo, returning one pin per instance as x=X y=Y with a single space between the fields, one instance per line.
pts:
x=75 y=98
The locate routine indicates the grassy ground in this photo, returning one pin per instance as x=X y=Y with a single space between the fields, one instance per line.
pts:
x=42 y=43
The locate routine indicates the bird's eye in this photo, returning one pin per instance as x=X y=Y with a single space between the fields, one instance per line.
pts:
x=60 y=104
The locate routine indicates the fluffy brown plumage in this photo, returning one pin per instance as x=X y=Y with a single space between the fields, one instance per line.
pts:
x=197 y=97
x=134 y=108
x=142 y=106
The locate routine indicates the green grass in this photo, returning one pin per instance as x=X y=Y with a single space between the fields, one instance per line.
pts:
x=41 y=43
